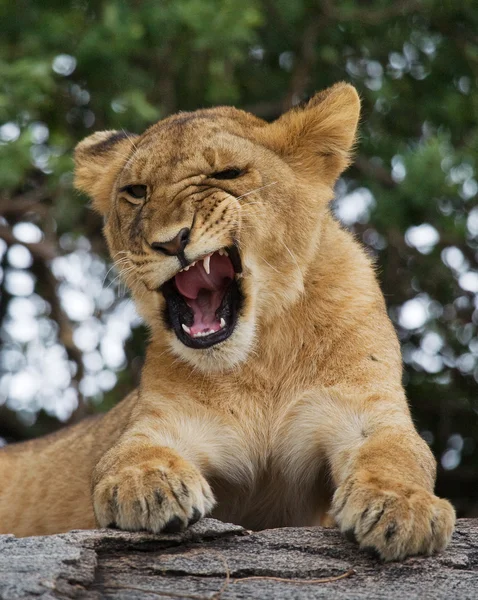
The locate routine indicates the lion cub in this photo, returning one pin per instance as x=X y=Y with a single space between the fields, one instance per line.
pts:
x=271 y=394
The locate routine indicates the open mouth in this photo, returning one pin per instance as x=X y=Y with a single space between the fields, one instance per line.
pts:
x=204 y=298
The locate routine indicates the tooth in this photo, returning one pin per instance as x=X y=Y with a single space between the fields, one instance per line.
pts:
x=223 y=323
x=222 y=252
x=207 y=266
x=186 y=328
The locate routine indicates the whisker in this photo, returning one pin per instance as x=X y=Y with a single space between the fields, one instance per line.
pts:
x=122 y=290
x=129 y=138
x=120 y=252
x=293 y=257
x=116 y=265
x=256 y=190
x=122 y=155
x=273 y=268
x=126 y=271
x=121 y=261
x=122 y=273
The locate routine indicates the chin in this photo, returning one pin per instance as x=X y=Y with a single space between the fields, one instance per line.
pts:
x=223 y=356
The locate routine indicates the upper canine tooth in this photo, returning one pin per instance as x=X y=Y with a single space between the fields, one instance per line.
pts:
x=207 y=266
x=222 y=252
x=186 y=268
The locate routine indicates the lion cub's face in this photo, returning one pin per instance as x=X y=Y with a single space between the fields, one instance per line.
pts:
x=213 y=217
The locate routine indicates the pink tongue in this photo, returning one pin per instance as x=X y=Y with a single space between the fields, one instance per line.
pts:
x=204 y=292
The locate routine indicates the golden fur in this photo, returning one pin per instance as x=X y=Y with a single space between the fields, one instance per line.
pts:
x=299 y=417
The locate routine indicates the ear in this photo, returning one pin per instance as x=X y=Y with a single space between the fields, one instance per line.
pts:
x=317 y=139
x=98 y=160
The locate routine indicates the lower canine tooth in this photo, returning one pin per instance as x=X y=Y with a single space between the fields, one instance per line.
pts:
x=186 y=328
x=222 y=323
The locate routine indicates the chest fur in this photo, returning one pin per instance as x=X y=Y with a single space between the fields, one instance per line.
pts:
x=266 y=464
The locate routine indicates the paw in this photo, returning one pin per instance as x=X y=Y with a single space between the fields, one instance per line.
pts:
x=155 y=495
x=393 y=520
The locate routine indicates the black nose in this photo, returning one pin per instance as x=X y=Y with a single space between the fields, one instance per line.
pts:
x=174 y=246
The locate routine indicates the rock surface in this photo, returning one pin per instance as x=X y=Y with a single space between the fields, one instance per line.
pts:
x=217 y=561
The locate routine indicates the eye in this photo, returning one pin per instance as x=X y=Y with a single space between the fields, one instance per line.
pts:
x=138 y=192
x=228 y=174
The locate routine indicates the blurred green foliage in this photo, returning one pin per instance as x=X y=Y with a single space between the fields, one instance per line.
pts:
x=69 y=68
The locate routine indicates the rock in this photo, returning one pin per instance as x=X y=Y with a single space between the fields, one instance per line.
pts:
x=218 y=561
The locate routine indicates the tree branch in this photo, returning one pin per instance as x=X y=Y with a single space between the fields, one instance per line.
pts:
x=43 y=253
x=370 y=16
x=40 y=250
x=305 y=61
x=377 y=172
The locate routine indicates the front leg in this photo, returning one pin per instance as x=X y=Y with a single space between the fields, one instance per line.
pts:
x=141 y=485
x=385 y=474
